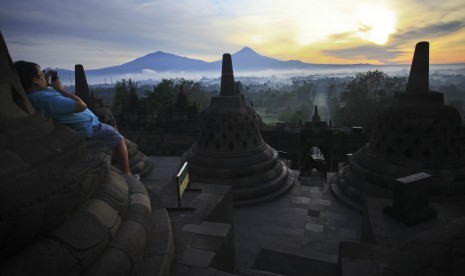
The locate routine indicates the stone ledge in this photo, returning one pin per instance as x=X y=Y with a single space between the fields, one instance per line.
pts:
x=208 y=228
x=204 y=236
x=197 y=258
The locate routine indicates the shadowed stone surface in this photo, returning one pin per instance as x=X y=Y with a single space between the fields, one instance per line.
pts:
x=288 y=264
x=433 y=251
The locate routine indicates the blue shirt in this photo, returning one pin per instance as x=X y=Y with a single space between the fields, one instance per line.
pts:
x=62 y=111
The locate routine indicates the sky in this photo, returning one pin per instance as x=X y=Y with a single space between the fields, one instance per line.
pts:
x=97 y=34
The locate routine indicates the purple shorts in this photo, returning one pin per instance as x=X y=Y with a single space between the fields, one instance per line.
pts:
x=107 y=134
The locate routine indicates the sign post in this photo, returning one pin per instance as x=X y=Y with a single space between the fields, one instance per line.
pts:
x=182 y=185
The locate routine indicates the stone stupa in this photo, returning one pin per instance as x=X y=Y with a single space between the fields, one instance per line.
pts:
x=64 y=209
x=420 y=134
x=138 y=162
x=230 y=150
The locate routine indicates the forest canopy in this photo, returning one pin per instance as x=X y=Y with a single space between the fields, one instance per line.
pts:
x=346 y=101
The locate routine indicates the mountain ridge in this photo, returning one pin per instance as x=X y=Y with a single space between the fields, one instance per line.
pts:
x=245 y=59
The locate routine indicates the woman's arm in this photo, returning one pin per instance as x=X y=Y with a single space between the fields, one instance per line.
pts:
x=80 y=105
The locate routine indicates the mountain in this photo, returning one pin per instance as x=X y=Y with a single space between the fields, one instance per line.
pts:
x=249 y=60
x=158 y=61
x=245 y=60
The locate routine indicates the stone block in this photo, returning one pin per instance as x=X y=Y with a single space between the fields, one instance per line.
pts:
x=369 y=258
x=160 y=216
x=16 y=232
x=140 y=198
x=208 y=243
x=107 y=216
x=159 y=234
x=301 y=200
x=195 y=271
x=222 y=273
x=135 y=186
x=436 y=254
x=114 y=191
x=355 y=267
x=82 y=231
x=179 y=270
x=131 y=238
x=459 y=247
x=113 y=261
x=314 y=227
x=138 y=213
x=411 y=192
x=115 y=227
x=154 y=265
x=197 y=258
x=155 y=201
x=458 y=266
x=158 y=244
x=410 y=200
x=44 y=257
x=208 y=228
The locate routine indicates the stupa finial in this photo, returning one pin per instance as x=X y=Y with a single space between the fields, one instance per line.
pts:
x=418 y=80
x=82 y=88
x=227 y=77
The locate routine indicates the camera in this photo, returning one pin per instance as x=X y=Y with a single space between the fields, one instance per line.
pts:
x=53 y=74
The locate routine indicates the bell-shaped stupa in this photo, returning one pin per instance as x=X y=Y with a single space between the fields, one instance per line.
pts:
x=230 y=150
x=420 y=134
x=64 y=209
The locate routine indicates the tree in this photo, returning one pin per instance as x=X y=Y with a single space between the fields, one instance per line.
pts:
x=303 y=114
x=121 y=97
x=133 y=99
x=160 y=101
x=125 y=95
x=366 y=96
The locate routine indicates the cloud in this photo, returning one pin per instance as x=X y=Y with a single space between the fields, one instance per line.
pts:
x=117 y=31
x=366 y=52
x=434 y=30
x=394 y=48
x=24 y=42
x=92 y=50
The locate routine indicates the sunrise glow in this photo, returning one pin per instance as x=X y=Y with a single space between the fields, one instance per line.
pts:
x=377 y=23
x=313 y=31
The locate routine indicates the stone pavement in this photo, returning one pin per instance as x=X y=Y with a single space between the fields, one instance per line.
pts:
x=307 y=222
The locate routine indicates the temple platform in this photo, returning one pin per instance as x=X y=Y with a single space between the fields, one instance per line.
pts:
x=305 y=225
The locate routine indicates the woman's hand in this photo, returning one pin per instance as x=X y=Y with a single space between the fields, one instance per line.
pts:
x=57 y=85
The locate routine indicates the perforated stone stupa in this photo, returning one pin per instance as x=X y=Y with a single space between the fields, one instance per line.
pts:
x=421 y=134
x=230 y=150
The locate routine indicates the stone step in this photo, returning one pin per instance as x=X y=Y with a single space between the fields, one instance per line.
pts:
x=209 y=245
x=349 y=202
x=253 y=272
x=182 y=270
x=268 y=197
x=285 y=263
x=138 y=162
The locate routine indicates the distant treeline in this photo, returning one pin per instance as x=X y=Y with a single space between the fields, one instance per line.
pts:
x=345 y=101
